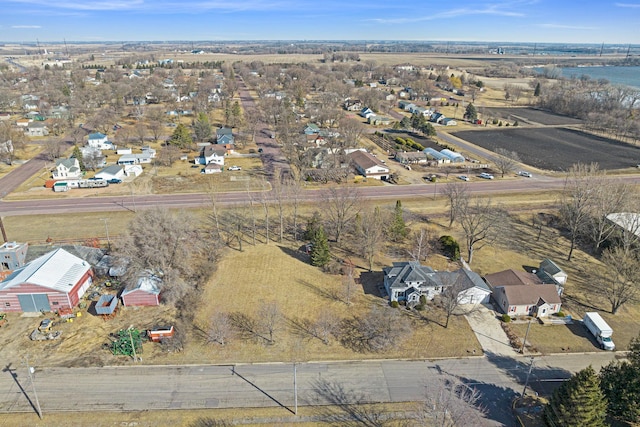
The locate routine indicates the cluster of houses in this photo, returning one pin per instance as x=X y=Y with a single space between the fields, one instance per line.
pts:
x=212 y=155
x=428 y=113
x=516 y=293
x=59 y=280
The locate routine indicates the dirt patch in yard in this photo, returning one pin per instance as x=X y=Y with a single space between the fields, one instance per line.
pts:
x=529 y=115
x=556 y=149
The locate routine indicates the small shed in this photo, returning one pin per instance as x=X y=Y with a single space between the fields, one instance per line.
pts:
x=106 y=305
x=158 y=334
x=145 y=292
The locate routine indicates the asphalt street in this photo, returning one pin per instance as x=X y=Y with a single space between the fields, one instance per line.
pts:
x=139 y=387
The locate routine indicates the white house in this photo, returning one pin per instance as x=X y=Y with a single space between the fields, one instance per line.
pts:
x=36 y=129
x=518 y=293
x=368 y=165
x=100 y=141
x=407 y=281
x=111 y=172
x=67 y=168
x=212 y=168
x=212 y=154
x=366 y=112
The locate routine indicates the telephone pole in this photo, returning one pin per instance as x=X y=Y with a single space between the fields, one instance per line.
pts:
x=31 y=370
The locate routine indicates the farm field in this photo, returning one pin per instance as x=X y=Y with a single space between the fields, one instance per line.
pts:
x=556 y=149
x=530 y=115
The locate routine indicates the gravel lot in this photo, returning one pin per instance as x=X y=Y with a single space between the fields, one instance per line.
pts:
x=556 y=148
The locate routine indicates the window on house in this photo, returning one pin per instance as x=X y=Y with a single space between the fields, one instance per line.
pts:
x=437 y=288
x=7 y=304
x=55 y=303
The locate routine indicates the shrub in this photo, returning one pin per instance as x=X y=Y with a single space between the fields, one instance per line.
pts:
x=560 y=314
x=450 y=247
x=515 y=123
x=419 y=307
x=423 y=299
x=506 y=318
x=395 y=304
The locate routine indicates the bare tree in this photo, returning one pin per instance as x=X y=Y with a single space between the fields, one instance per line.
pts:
x=369 y=233
x=505 y=161
x=620 y=278
x=457 y=199
x=375 y=331
x=576 y=201
x=452 y=297
x=294 y=191
x=265 y=202
x=141 y=132
x=53 y=149
x=451 y=403
x=482 y=222
x=341 y=206
x=421 y=244
x=325 y=325
x=220 y=328
x=280 y=197
x=608 y=197
x=270 y=319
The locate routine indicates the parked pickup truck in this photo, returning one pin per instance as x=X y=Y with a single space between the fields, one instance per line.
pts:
x=599 y=329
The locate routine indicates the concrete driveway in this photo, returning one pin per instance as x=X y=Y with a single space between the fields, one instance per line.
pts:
x=486 y=326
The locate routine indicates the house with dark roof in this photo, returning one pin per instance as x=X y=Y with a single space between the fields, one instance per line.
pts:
x=212 y=153
x=550 y=269
x=368 y=165
x=518 y=293
x=407 y=281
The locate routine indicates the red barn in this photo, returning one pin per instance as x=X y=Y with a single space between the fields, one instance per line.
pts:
x=146 y=291
x=53 y=281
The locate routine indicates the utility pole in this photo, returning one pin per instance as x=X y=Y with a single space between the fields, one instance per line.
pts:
x=526 y=382
x=295 y=388
x=525 y=337
x=31 y=370
x=133 y=347
x=106 y=226
x=4 y=233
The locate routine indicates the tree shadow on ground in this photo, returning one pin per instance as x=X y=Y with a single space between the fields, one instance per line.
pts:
x=372 y=283
x=298 y=254
x=542 y=380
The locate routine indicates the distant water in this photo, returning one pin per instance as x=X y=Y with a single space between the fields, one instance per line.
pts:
x=628 y=76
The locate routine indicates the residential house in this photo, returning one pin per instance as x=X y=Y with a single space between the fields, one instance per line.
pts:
x=352 y=105
x=407 y=281
x=67 y=169
x=552 y=270
x=100 y=141
x=311 y=129
x=437 y=118
x=376 y=120
x=519 y=293
x=51 y=282
x=36 y=129
x=12 y=256
x=406 y=105
x=212 y=168
x=366 y=112
x=224 y=136
x=128 y=159
x=111 y=172
x=368 y=165
x=23 y=123
x=212 y=154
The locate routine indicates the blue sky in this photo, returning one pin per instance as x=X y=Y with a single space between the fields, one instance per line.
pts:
x=562 y=21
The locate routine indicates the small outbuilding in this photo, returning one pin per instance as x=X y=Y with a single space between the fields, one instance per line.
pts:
x=111 y=172
x=145 y=292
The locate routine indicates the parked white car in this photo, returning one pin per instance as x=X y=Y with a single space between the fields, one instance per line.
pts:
x=234 y=168
x=486 y=175
x=464 y=177
x=525 y=174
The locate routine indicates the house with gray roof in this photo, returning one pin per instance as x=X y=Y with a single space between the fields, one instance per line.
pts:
x=407 y=281
x=67 y=169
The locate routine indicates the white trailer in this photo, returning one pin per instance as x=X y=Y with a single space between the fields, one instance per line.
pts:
x=599 y=329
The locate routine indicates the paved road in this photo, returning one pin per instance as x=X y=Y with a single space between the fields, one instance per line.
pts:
x=135 y=388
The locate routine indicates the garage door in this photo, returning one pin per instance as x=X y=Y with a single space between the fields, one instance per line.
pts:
x=34 y=302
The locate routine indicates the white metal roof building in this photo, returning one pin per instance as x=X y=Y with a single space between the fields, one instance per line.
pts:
x=57 y=279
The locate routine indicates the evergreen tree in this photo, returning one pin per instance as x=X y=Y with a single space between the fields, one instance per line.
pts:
x=620 y=383
x=312 y=226
x=181 y=137
x=320 y=248
x=78 y=155
x=471 y=113
x=428 y=129
x=536 y=91
x=577 y=402
x=202 y=127
x=398 y=229
x=405 y=123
